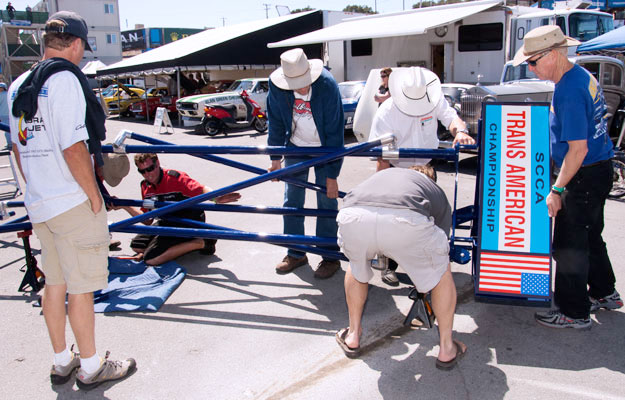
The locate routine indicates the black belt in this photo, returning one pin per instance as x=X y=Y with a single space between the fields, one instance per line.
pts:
x=595 y=163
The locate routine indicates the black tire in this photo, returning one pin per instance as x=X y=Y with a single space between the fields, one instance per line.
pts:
x=212 y=127
x=618 y=184
x=260 y=124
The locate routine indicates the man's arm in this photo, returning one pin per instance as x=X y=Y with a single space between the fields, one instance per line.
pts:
x=19 y=163
x=79 y=163
x=226 y=198
x=572 y=162
x=458 y=130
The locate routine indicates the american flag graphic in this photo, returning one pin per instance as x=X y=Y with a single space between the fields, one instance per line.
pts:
x=514 y=273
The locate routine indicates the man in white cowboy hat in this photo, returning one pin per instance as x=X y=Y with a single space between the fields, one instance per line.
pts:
x=582 y=149
x=412 y=114
x=411 y=225
x=305 y=110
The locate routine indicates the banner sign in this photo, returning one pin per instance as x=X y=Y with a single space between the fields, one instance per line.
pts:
x=133 y=40
x=514 y=233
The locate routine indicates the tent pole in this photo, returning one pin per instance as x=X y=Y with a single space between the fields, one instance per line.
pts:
x=147 y=109
x=178 y=79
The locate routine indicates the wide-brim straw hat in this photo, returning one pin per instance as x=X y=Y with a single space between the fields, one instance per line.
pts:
x=415 y=91
x=116 y=167
x=297 y=71
x=541 y=39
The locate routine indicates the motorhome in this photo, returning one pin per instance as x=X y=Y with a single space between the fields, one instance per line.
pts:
x=464 y=42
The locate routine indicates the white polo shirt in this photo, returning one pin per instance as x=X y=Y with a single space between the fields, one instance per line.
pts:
x=411 y=132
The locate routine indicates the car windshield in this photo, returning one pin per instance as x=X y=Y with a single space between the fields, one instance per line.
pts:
x=239 y=86
x=350 y=90
x=584 y=26
x=109 y=91
x=518 y=73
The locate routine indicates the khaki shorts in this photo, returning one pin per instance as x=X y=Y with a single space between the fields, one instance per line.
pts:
x=413 y=240
x=74 y=247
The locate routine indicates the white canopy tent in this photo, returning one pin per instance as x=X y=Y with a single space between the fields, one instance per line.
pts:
x=413 y=22
x=90 y=69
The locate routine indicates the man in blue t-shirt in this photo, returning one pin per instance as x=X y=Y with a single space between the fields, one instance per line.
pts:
x=581 y=148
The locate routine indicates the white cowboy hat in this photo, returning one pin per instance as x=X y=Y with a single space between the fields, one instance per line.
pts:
x=116 y=167
x=415 y=91
x=297 y=71
x=541 y=39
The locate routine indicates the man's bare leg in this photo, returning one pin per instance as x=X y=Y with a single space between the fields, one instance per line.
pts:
x=53 y=303
x=82 y=320
x=444 y=305
x=176 y=251
x=355 y=295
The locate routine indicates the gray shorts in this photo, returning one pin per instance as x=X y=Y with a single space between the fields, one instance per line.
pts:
x=413 y=240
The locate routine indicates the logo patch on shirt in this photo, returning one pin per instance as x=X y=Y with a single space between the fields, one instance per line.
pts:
x=302 y=107
x=425 y=121
x=26 y=129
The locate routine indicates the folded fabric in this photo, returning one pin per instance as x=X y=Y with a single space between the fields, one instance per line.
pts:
x=135 y=286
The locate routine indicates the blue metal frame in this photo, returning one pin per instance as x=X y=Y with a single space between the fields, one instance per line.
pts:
x=459 y=252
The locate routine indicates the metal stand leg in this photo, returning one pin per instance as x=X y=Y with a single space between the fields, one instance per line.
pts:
x=421 y=310
x=33 y=276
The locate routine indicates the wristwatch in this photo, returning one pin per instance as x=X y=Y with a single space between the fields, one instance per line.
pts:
x=465 y=130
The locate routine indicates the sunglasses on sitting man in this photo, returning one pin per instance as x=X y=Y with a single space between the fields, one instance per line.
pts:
x=383 y=76
x=147 y=169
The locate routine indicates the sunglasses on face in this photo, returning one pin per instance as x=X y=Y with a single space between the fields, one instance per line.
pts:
x=532 y=63
x=147 y=169
x=383 y=76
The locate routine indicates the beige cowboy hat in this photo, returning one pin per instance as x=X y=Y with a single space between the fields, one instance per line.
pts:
x=116 y=167
x=541 y=39
x=415 y=91
x=297 y=71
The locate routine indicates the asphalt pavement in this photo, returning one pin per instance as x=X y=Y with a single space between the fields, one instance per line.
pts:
x=234 y=329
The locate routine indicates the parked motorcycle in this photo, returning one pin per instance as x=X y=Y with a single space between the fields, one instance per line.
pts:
x=219 y=117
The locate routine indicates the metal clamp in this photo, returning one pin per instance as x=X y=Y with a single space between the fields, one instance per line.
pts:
x=3 y=210
x=118 y=144
x=149 y=204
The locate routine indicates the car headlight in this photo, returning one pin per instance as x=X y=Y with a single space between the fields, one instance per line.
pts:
x=195 y=106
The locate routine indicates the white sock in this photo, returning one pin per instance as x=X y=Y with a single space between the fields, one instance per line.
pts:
x=63 y=358
x=90 y=365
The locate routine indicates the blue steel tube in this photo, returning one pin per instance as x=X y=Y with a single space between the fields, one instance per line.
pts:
x=307 y=212
x=250 y=182
x=214 y=231
x=221 y=160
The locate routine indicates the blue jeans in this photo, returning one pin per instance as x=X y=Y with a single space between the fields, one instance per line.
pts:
x=295 y=196
x=583 y=266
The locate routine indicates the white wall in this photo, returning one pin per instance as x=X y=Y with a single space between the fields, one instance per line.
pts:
x=100 y=24
x=459 y=67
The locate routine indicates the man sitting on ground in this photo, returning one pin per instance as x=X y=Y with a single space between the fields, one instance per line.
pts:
x=161 y=184
x=410 y=225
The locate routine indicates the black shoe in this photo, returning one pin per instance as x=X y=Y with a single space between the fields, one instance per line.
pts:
x=209 y=247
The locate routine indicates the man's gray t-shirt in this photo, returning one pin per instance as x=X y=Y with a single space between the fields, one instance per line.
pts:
x=406 y=189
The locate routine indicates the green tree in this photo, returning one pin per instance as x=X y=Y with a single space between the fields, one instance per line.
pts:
x=359 y=9
x=299 y=10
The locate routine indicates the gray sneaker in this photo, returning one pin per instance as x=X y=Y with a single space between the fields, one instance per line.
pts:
x=555 y=319
x=108 y=371
x=390 y=277
x=611 y=302
x=59 y=374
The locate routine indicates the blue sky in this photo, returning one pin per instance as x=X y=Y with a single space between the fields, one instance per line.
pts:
x=210 y=13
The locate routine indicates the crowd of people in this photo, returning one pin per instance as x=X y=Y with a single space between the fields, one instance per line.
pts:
x=399 y=212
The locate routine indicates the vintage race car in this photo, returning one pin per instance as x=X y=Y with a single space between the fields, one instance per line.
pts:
x=157 y=97
x=119 y=98
x=350 y=95
x=191 y=108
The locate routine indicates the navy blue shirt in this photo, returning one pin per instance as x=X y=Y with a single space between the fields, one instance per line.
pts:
x=578 y=112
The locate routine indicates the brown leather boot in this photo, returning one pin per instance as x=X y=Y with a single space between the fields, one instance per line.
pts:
x=327 y=268
x=289 y=263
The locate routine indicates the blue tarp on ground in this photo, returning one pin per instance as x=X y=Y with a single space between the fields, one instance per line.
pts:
x=135 y=286
x=613 y=40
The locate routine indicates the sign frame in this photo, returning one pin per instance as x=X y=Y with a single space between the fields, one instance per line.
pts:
x=512 y=259
x=161 y=117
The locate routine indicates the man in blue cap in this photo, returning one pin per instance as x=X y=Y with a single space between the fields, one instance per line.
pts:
x=55 y=123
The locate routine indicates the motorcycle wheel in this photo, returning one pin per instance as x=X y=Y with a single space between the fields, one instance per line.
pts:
x=212 y=127
x=618 y=184
x=260 y=124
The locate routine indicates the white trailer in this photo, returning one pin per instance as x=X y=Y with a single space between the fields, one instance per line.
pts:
x=465 y=42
